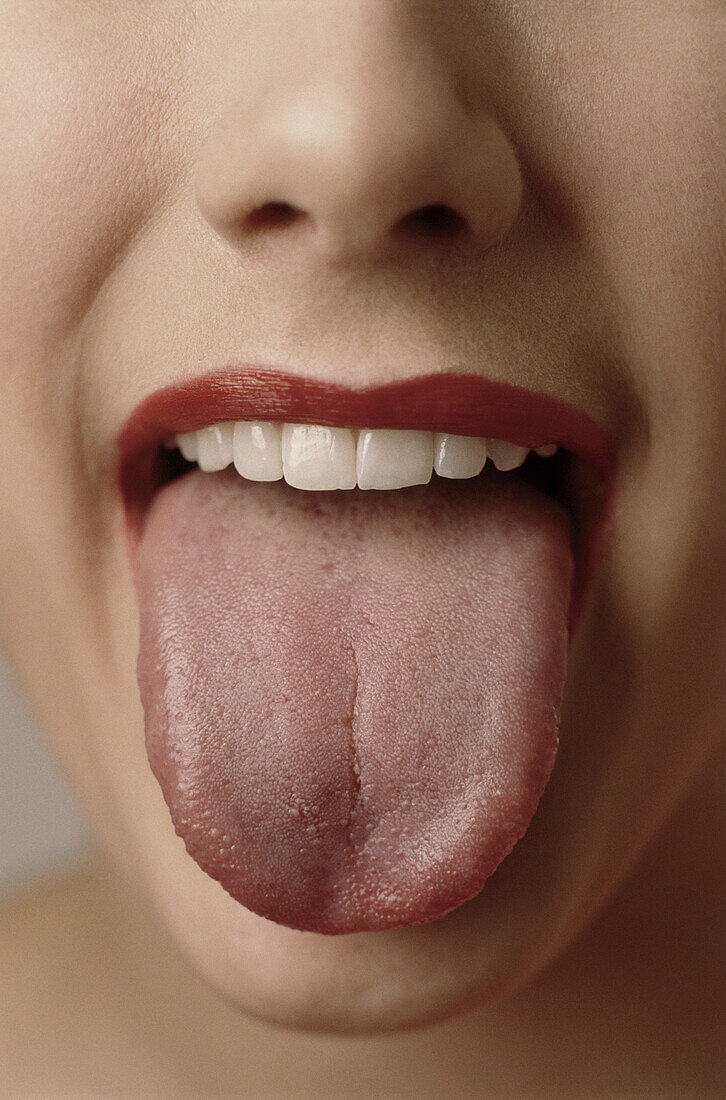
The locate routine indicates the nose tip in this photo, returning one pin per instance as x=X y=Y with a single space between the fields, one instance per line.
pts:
x=360 y=175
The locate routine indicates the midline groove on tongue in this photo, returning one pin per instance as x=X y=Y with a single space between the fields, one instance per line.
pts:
x=355 y=776
x=288 y=637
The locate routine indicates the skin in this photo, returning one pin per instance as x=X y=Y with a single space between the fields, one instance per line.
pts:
x=135 y=137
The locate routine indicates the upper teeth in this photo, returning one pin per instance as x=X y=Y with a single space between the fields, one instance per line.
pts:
x=312 y=456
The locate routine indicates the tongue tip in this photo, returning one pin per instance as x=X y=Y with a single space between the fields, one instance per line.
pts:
x=344 y=914
x=365 y=901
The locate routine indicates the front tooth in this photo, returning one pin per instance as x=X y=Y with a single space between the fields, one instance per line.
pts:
x=187 y=444
x=391 y=459
x=214 y=446
x=317 y=457
x=459 y=455
x=546 y=451
x=257 y=450
x=506 y=456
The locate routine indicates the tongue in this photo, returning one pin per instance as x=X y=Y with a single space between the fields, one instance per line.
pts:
x=352 y=698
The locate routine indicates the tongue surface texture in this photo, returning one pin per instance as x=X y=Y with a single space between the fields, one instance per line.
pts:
x=352 y=699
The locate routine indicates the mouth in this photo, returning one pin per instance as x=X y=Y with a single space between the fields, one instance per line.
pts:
x=556 y=448
x=355 y=608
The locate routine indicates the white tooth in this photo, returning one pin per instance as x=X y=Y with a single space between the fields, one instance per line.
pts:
x=459 y=455
x=256 y=450
x=391 y=459
x=547 y=451
x=187 y=444
x=317 y=457
x=506 y=456
x=214 y=446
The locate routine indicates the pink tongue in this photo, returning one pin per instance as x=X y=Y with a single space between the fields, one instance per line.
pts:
x=352 y=698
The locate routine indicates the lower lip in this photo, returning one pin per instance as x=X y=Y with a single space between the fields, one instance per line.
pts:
x=464 y=404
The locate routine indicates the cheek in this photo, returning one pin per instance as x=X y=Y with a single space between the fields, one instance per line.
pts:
x=656 y=202
x=89 y=119
x=656 y=222
x=647 y=166
x=626 y=134
x=89 y=133
x=636 y=157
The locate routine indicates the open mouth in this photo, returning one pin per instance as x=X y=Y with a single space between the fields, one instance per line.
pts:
x=355 y=608
x=554 y=447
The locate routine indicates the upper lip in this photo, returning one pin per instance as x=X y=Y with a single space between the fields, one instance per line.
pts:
x=466 y=404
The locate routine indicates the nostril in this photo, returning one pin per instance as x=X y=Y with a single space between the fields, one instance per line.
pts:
x=435 y=220
x=273 y=215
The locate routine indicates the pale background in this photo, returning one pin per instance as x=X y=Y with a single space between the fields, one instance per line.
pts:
x=41 y=830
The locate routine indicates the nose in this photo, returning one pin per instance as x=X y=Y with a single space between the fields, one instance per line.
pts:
x=358 y=165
